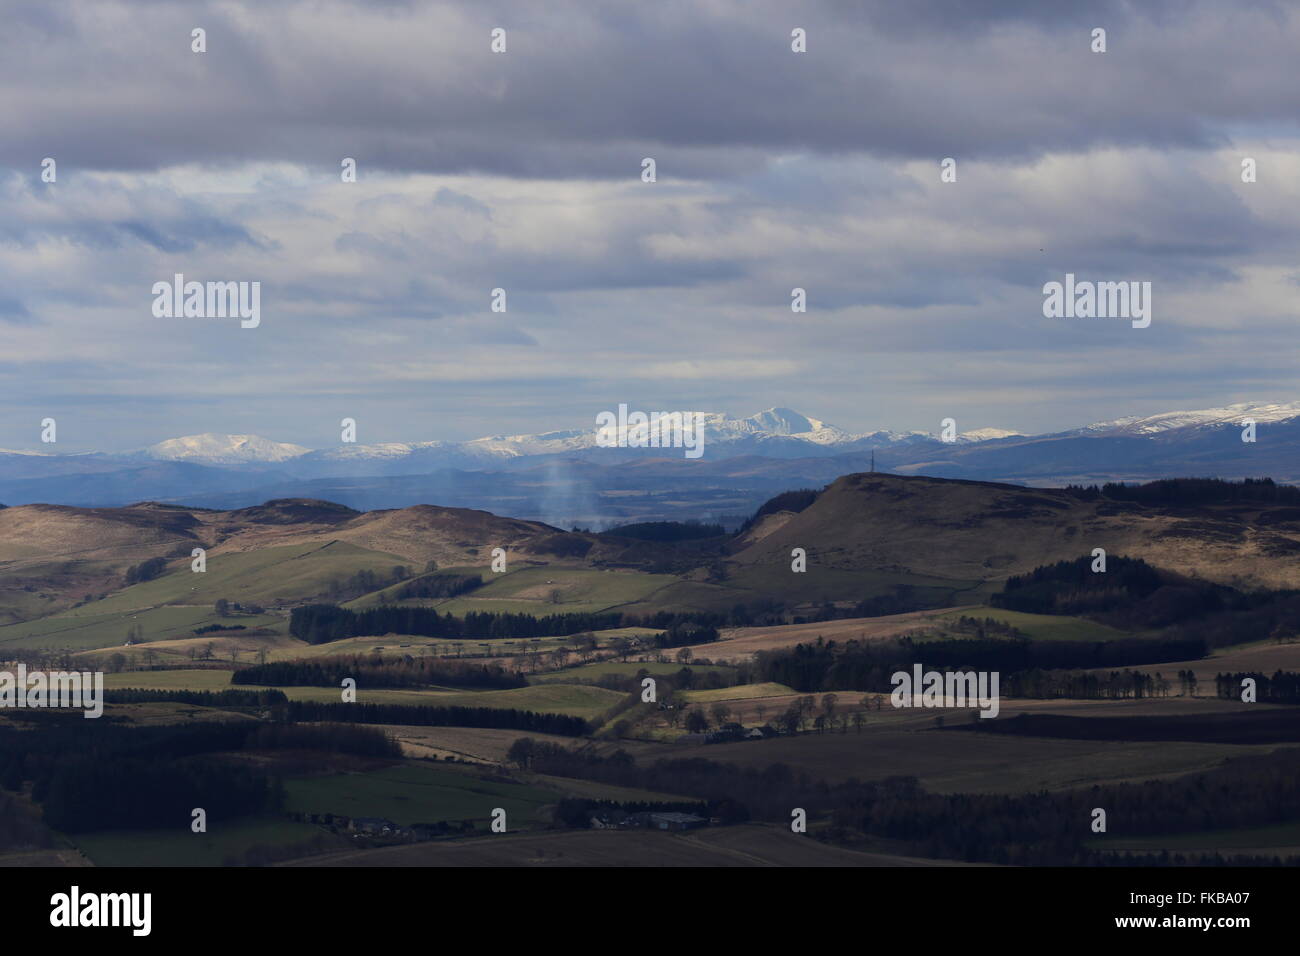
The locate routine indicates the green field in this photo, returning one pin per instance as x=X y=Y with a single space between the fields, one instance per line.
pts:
x=388 y=595
x=951 y=762
x=260 y=577
x=180 y=847
x=411 y=793
x=575 y=699
x=739 y=692
x=82 y=630
x=822 y=583
x=593 y=672
x=89 y=632
x=18 y=604
x=191 y=679
x=1253 y=838
x=1044 y=627
x=171 y=606
x=594 y=790
x=417 y=647
x=551 y=590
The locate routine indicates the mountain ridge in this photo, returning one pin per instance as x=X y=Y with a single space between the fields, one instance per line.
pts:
x=777 y=423
x=567 y=477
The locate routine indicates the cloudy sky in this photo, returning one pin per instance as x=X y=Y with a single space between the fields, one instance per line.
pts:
x=522 y=170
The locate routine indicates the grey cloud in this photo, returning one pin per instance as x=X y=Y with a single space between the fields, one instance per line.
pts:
x=587 y=89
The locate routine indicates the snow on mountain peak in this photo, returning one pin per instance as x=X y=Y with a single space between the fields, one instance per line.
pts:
x=778 y=426
x=988 y=434
x=212 y=448
x=1261 y=412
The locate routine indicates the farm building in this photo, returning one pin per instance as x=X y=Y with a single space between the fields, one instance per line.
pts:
x=676 y=821
x=372 y=825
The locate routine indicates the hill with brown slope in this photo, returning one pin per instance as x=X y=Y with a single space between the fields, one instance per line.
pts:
x=42 y=532
x=36 y=533
x=968 y=530
x=52 y=556
x=462 y=537
x=55 y=556
x=450 y=536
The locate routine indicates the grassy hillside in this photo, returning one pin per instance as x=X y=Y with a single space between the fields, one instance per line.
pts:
x=593 y=672
x=411 y=793
x=541 y=591
x=1043 y=627
x=90 y=631
x=267 y=576
x=964 y=531
x=171 y=606
x=577 y=699
x=175 y=847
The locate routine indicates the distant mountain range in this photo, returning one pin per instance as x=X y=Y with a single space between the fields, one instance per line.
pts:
x=567 y=477
x=774 y=433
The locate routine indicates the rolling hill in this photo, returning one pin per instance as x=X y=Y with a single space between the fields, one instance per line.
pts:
x=980 y=531
x=906 y=543
x=569 y=477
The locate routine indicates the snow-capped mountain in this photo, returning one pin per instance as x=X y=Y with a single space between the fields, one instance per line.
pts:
x=718 y=429
x=213 y=449
x=775 y=432
x=388 y=449
x=987 y=434
x=775 y=424
x=1260 y=412
x=785 y=422
x=771 y=451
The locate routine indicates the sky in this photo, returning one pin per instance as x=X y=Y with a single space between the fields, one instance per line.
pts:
x=522 y=171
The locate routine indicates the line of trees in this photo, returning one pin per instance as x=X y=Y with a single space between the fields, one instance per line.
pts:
x=200 y=698
x=576 y=811
x=1117 y=685
x=1253 y=725
x=334 y=738
x=438 y=586
x=1282 y=688
x=145 y=571
x=1047 y=828
x=1072 y=587
x=511 y=719
x=322 y=623
x=796 y=501
x=111 y=776
x=366 y=580
x=85 y=793
x=1193 y=491
x=405 y=671
x=869 y=665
